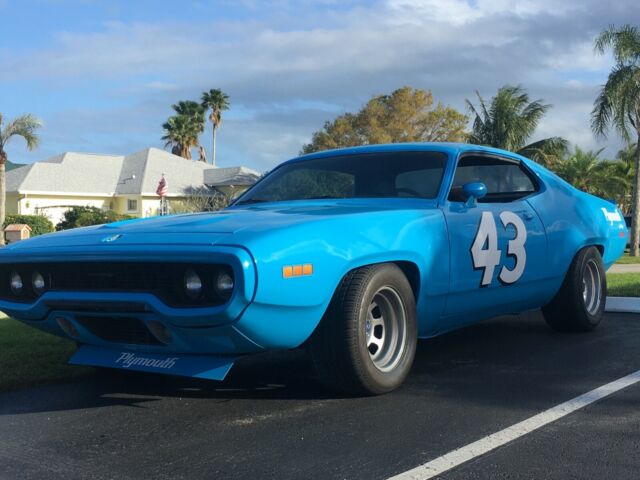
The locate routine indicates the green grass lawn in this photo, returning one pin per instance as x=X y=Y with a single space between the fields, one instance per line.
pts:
x=623 y=284
x=30 y=357
x=627 y=260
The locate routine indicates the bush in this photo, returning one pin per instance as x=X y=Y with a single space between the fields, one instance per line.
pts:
x=39 y=223
x=85 y=216
x=200 y=201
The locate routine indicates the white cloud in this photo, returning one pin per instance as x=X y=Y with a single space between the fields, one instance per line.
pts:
x=306 y=62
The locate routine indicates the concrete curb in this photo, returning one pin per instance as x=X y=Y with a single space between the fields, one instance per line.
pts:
x=622 y=268
x=623 y=305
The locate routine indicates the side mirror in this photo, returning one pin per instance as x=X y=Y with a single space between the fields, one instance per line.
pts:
x=472 y=192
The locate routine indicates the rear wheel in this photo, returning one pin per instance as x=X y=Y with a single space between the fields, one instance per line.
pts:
x=366 y=342
x=579 y=305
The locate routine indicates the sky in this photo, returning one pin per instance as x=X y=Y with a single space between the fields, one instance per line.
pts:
x=102 y=75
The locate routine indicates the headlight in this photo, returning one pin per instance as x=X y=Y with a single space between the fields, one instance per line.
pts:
x=224 y=285
x=16 y=283
x=38 y=283
x=192 y=285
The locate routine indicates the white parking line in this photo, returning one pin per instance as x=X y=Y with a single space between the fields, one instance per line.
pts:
x=498 y=439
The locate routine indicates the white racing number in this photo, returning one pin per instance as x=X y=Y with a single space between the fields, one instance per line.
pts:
x=489 y=258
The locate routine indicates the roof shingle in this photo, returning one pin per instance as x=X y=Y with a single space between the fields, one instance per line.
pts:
x=135 y=174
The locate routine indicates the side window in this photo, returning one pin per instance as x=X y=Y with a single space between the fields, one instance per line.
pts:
x=423 y=183
x=506 y=180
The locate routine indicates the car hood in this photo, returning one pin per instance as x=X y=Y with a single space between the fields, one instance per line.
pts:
x=215 y=227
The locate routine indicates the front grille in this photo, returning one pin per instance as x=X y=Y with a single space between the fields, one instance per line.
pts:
x=165 y=280
x=119 y=330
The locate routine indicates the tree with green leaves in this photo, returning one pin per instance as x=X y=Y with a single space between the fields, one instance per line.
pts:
x=183 y=129
x=509 y=120
x=585 y=170
x=217 y=101
x=80 y=216
x=406 y=115
x=39 y=223
x=24 y=126
x=618 y=104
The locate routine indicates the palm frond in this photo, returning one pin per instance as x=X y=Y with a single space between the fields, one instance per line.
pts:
x=617 y=101
x=508 y=121
x=24 y=126
x=624 y=42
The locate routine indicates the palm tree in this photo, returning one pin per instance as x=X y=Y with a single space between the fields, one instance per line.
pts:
x=192 y=110
x=24 y=126
x=181 y=135
x=627 y=156
x=216 y=101
x=183 y=129
x=586 y=171
x=623 y=167
x=509 y=121
x=618 y=104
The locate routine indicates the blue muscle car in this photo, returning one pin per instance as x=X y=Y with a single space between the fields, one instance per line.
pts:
x=352 y=253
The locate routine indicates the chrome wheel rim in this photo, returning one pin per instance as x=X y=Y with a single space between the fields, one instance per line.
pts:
x=386 y=329
x=591 y=287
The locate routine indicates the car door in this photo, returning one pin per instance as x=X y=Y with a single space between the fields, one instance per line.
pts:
x=498 y=244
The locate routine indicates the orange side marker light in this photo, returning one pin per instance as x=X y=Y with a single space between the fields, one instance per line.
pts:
x=289 y=271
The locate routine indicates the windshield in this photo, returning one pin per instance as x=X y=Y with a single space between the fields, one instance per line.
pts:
x=370 y=175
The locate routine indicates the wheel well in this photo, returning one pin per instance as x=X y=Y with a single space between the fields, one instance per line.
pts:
x=599 y=247
x=412 y=272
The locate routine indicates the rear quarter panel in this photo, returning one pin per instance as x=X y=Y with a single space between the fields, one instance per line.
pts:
x=573 y=220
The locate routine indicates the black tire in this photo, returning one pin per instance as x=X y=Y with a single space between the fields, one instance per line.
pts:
x=339 y=347
x=573 y=310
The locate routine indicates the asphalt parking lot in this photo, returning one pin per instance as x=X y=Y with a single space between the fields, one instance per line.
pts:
x=270 y=419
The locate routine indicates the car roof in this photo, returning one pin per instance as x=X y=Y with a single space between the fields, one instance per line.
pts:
x=449 y=148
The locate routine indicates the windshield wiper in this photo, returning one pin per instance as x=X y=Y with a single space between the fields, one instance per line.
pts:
x=252 y=200
x=264 y=200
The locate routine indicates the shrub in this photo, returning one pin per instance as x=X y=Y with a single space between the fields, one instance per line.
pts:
x=200 y=201
x=85 y=216
x=39 y=223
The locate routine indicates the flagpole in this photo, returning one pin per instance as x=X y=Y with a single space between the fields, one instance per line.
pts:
x=162 y=191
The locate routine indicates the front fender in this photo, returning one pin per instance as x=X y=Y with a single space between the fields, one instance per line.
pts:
x=286 y=310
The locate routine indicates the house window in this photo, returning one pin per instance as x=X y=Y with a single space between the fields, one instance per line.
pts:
x=132 y=205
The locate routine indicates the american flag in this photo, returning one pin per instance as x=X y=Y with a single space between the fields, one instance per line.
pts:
x=162 y=189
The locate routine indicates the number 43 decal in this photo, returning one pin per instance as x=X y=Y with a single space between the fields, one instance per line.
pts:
x=489 y=258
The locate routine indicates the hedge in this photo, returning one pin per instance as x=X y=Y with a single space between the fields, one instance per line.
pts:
x=85 y=216
x=39 y=224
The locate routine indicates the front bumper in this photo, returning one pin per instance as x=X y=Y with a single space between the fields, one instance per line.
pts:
x=192 y=330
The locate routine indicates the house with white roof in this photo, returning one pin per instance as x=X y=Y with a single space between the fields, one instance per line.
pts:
x=123 y=183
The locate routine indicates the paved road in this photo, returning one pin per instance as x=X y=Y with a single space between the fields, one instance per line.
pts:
x=271 y=420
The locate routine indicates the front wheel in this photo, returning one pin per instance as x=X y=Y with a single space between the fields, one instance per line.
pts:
x=579 y=305
x=366 y=341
